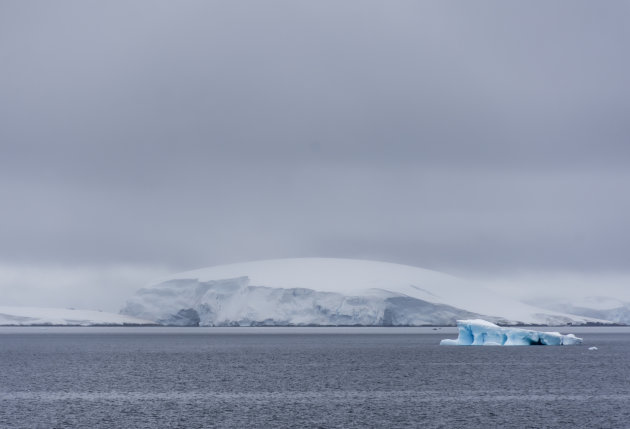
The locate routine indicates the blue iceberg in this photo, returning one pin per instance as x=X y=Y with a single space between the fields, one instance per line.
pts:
x=479 y=332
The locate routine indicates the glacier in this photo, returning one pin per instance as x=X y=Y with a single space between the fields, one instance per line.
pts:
x=234 y=302
x=479 y=332
x=327 y=292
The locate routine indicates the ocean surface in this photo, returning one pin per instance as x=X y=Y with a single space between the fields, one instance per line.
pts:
x=306 y=377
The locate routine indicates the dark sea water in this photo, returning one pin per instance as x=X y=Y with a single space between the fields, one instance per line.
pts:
x=306 y=377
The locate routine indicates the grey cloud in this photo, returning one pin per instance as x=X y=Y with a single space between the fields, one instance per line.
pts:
x=479 y=135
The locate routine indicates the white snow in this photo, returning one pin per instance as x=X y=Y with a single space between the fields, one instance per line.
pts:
x=479 y=332
x=328 y=291
x=601 y=307
x=23 y=316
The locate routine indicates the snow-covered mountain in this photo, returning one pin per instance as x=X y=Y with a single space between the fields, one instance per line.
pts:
x=24 y=316
x=324 y=291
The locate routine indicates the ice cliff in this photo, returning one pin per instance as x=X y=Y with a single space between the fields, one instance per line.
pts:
x=234 y=302
x=483 y=333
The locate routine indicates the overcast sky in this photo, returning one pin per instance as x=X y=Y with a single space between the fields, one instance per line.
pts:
x=139 y=138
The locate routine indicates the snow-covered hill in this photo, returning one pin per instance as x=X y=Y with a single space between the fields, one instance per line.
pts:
x=24 y=316
x=324 y=291
x=601 y=307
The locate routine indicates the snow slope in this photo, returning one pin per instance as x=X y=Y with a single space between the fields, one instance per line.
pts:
x=601 y=307
x=326 y=291
x=24 y=316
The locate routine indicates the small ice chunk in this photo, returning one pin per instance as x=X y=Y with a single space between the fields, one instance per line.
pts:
x=592 y=348
x=481 y=332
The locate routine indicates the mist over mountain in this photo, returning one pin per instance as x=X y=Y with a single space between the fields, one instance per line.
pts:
x=326 y=291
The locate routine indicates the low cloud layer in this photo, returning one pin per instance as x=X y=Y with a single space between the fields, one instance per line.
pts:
x=85 y=287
